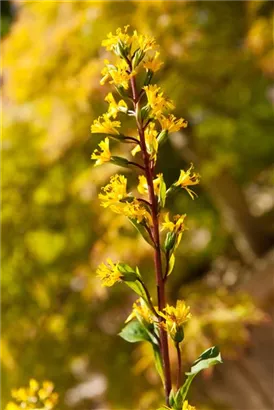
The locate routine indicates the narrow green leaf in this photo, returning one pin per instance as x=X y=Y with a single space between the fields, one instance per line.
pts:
x=134 y=332
x=120 y=161
x=158 y=362
x=142 y=230
x=171 y=264
x=162 y=192
x=138 y=288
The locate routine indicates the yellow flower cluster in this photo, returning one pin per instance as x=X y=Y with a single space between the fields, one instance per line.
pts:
x=115 y=196
x=153 y=63
x=35 y=396
x=175 y=317
x=115 y=191
x=113 y=39
x=156 y=100
x=188 y=178
x=104 y=125
x=138 y=41
x=117 y=74
x=171 y=123
x=109 y=273
x=141 y=310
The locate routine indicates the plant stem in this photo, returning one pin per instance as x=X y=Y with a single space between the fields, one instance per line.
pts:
x=179 y=358
x=157 y=252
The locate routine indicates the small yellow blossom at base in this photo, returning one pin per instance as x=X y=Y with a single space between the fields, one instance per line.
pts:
x=109 y=273
x=188 y=178
x=104 y=155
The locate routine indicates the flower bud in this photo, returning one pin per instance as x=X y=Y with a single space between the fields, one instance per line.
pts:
x=138 y=57
x=122 y=162
x=162 y=137
x=170 y=241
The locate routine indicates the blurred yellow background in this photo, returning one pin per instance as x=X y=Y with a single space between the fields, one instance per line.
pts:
x=58 y=323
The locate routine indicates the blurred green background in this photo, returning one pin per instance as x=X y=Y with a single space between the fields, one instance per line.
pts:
x=58 y=323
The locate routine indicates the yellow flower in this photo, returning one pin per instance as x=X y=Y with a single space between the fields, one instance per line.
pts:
x=135 y=210
x=20 y=394
x=114 y=108
x=118 y=73
x=104 y=155
x=151 y=142
x=34 y=385
x=175 y=317
x=187 y=406
x=34 y=397
x=187 y=179
x=46 y=390
x=113 y=39
x=177 y=225
x=115 y=191
x=157 y=101
x=140 y=309
x=51 y=401
x=153 y=63
x=12 y=406
x=103 y=125
x=143 y=187
x=144 y=42
x=109 y=273
x=171 y=124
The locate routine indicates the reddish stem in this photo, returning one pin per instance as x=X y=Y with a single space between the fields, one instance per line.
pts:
x=157 y=253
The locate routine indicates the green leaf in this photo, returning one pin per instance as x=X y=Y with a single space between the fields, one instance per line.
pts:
x=171 y=264
x=158 y=361
x=134 y=332
x=208 y=358
x=142 y=230
x=162 y=137
x=138 y=288
x=162 y=192
x=170 y=241
x=120 y=161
